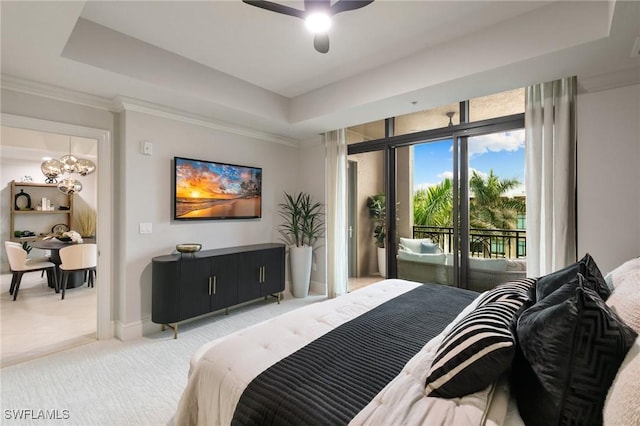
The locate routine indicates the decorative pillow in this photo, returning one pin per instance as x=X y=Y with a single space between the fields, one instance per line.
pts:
x=621 y=406
x=438 y=259
x=413 y=244
x=573 y=348
x=477 y=350
x=614 y=277
x=429 y=248
x=508 y=291
x=625 y=299
x=586 y=266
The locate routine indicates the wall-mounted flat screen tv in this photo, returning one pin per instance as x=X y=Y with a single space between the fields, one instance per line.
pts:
x=209 y=190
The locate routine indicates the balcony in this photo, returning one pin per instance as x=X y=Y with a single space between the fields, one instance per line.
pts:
x=483 y=243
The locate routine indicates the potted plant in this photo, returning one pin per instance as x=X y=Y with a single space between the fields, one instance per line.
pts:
x=303 y=226
x=378 y=213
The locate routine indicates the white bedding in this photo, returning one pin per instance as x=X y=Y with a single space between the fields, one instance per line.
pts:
x=221 y=370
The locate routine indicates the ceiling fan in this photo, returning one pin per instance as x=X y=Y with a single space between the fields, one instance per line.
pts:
x=317 y=15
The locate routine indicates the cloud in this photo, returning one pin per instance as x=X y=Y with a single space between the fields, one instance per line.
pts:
x=496 y=142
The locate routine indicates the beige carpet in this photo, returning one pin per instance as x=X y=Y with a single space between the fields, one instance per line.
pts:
x=38 y=322
x=121 y=383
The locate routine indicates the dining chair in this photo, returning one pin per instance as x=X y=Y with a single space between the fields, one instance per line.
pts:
x=78 y=258
x=19 y=265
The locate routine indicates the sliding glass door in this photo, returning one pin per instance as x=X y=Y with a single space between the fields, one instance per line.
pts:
x=452 y=187
x=460 y=210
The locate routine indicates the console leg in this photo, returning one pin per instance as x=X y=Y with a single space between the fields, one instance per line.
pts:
x=174 y=327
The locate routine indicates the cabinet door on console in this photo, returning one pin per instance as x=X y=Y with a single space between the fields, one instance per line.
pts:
x=273 y=273
x=224 y=273
x=249 y=276
x=194 y=287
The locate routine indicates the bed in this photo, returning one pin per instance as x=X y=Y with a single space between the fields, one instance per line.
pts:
x=391 y=353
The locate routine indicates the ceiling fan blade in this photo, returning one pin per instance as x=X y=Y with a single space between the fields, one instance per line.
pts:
x=345 y=5
x=321 y=42
x=317 y=5
x=275 y=7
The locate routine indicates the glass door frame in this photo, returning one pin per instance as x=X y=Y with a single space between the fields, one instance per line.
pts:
x=459 y=134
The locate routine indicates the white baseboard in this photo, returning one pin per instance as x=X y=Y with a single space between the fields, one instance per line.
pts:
x=135 y=329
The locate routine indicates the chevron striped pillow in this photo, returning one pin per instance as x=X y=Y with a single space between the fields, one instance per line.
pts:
x=480 y=347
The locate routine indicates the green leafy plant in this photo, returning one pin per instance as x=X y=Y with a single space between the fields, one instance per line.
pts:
x=378 y=211
x=303 y=220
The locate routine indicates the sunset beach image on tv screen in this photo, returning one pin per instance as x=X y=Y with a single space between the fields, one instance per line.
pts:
x=208 y=190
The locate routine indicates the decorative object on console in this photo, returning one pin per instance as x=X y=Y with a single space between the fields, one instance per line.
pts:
x=52 y=169
x=303 y=226
x=207 y=190
x=188 y=248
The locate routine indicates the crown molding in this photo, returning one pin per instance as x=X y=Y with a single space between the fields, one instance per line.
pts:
x=121 y=103
x=30 y=87
x=611 y=80
x=137 y=105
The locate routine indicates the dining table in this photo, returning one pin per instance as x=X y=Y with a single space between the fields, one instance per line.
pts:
x=54 y=245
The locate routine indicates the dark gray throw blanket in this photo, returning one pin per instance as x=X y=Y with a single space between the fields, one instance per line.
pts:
x=334 y=377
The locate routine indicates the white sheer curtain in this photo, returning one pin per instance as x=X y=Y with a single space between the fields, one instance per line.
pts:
x=550 y=126
x=336 y=211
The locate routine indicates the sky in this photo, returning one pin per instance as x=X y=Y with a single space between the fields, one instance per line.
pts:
x=501 y=152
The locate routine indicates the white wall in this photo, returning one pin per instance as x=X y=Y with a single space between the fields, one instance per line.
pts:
x=609 y=175
x=146 y=192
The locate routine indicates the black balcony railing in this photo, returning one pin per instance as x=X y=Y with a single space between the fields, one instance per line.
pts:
x=507 y=243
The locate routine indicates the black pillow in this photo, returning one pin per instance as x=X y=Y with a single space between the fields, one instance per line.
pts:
x=573 y=349
x=586 y=266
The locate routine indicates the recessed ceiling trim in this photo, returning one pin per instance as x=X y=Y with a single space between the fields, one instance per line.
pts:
x=129 y=104
x=121 y=103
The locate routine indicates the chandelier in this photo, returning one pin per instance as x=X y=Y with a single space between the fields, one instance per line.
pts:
x=65 y=167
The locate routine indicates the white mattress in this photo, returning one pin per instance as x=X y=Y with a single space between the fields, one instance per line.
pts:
x=221 y=369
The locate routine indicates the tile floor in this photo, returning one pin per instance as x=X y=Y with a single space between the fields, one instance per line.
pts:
x=39 y=322
x=359 y=282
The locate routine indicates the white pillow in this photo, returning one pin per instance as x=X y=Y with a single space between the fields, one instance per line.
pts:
x=621 y=406
x=414 y=245
x=613 y=277
x=436 y=258
x=625 y=299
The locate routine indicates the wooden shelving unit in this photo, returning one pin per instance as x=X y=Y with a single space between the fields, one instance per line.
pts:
x=38 y=221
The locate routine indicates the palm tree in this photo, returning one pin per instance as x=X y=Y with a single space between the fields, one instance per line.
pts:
x=490 y=208
x=434 y=206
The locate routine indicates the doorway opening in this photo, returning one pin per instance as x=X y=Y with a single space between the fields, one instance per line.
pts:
x=24 y=141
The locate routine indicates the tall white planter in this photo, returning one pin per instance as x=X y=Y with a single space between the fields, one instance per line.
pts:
x=300 y=264
x=382 y=261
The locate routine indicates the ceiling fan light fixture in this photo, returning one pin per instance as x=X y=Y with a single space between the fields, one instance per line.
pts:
x=318 y=22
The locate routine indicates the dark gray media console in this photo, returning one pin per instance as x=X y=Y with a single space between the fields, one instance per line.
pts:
x=185 y=286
